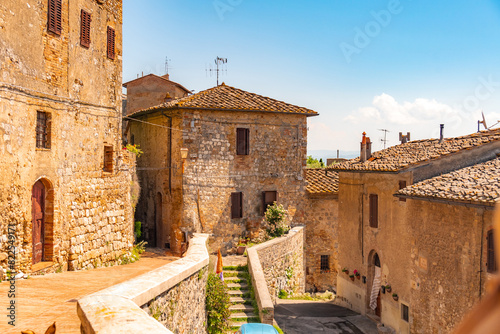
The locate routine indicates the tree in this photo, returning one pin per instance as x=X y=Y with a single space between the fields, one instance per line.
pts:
x=314 y=163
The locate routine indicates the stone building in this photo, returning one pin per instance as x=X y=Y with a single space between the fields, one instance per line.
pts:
x=242 y=151
x=397 y=242
x=321 y=220
x=65 y=191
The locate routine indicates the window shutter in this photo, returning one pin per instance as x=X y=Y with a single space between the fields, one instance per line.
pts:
x=402 y=185
x=247 y=141
x=263 y=209
x=242 y=141
x=236 y=205
x=54 y=16
x=111 y=43
x=85 y=28
x=491 y=265
x=373 y=210
x=108 y=159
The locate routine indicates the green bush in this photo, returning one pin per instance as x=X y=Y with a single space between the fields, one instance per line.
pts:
x=275 y=220
x=217 y=304
x=137 y=230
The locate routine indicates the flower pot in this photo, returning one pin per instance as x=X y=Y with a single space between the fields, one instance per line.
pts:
x=241 y=250
x=352 y=278
x=396 y=297
x=388 y=289
x=347 y=272
x=358 y=276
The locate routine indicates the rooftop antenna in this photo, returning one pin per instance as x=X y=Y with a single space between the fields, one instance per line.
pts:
x=219 y=62
x=483 y=122
x=166 y=64
x=385 y=136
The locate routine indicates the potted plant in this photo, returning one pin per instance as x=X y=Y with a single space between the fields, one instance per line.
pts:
x=357 y=274
x=345 y=271
x=351 y=277
x=388 y=288
x=395 y=296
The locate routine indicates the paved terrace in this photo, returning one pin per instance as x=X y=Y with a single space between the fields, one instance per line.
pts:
x=41 y=300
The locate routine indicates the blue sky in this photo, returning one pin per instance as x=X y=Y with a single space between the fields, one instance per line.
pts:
x=364 y=65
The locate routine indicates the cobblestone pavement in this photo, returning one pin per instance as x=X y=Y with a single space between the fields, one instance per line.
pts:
x=301 y=316
x=41 y=300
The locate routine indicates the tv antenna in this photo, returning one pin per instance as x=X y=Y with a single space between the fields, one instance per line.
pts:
x=385 y=136
x=166 y=64
x=219 y=62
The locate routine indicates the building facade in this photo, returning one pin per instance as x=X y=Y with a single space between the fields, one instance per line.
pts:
x=388 y=239
x=242 y=152
x=66 y=198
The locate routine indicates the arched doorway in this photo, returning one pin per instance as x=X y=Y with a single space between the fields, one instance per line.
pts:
x=376 y=282
x=42 y=208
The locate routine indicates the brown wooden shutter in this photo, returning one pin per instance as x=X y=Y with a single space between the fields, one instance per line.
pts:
x=85 y=28
x=402 y=185
x=111 y=43
x=373 y=210
x=242 y=141
x=236 y=205
x=491 y=265
x=54 y=16
x=108 y=159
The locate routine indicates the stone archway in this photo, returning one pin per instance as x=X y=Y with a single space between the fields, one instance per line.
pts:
x=42 y=221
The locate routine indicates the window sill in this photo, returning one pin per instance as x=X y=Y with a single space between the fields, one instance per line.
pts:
x=40 y=149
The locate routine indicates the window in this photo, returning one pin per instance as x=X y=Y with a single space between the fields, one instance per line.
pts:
x=402 y=185
x=325 y=263
x=405 y=312
x=111 y=43
x=242 y=141
x=42 y=129
x=108 y=159
x=85 y=29
x=268 y=198
x=54 y=16
x=237 y=205
x=491 y=265
x=373 y=210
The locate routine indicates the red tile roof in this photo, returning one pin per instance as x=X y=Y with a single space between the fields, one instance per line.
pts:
x=401 y=156
x=321 y=181
x=225 y=97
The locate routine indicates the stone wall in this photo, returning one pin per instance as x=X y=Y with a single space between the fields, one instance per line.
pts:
x=213 y=170
x=282 y=261
x=169 y=299
x=321 y=239
x=182 y=308
x=88 y=216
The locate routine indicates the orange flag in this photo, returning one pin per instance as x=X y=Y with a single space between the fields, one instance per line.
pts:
x=219 y=265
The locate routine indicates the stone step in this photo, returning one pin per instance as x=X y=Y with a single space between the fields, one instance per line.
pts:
x=238 y=300
x=240 y=307
x=234 y=273
x=243 y=315
x=235 y=278
x=236 y=292
x=243 y=286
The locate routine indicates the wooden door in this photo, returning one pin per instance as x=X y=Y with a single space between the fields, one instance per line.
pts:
x=37 y=214
x=379 y=306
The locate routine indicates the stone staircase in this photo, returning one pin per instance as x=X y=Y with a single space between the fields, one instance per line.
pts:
x=241 y=297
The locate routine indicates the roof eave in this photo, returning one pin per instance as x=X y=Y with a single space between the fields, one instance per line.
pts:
x=470 y=203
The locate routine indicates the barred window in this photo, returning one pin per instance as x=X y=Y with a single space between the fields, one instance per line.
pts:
x=491 y=265
x=111 y=43
x=42 y=129
x=405 y=312
x=325 y=262
x=108 y=159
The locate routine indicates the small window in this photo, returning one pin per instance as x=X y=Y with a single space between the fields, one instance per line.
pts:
x=54 y=16
x=405 y=312
x=402 y=185
x=325 y=263
x=111 y=43
x=491 y=265
x=42 y=129
x=85 y=29
x=373 y=210
x=236 y=205
x=108 y=159
x=242 y=141
x=268 y=198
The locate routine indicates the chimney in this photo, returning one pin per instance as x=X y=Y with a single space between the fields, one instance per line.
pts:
x=166 y=76
x=441 y=137
x=167 y=97
x=366 y=148
x=404 y=138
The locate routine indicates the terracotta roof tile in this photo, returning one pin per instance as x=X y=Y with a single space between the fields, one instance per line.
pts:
x=478 y=183
x=225 y=97
x=401 y=156
x=321 y=181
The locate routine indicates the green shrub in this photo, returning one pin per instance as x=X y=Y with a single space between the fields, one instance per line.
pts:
x=137 y=230
x=282 y=294
x=217 y=305
x=275 y=220
x=134 y=149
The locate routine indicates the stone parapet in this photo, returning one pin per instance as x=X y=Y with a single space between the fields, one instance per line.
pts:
x=119 y=307
x=277 y=265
